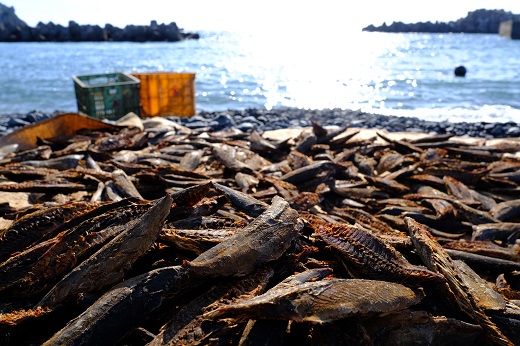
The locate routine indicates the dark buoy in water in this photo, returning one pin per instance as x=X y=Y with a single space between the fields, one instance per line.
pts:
x=460 y=71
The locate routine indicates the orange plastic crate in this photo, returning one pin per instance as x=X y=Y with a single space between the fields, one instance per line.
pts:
x=167 y=94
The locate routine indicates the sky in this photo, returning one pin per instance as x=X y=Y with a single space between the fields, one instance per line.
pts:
x=273 y=16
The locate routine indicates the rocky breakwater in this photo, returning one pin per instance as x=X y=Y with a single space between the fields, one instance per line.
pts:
x=476 y=22
x=13 y=29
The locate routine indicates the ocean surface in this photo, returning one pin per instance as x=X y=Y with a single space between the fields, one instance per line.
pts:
x=391 y=74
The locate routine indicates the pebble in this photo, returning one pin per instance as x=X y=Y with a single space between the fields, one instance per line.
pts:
x=261 y=120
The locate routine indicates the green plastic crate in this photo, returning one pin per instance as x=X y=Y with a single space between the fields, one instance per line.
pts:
x=107 y=96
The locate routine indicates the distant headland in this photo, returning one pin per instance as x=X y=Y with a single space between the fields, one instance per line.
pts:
x=13 y=29
x=476 y=22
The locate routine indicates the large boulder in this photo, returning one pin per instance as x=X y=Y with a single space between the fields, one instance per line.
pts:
x=8 y=17
x=12 y=28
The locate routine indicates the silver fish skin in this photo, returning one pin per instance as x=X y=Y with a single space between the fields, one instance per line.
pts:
x=62 y=163
x=191 y=160
x=249 y=205
x=306 y=276
x=226 y=154
x=264 y=240
x=124 y=185
x=306 y=173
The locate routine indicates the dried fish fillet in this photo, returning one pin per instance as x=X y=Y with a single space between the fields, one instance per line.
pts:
x=76 y=240
x=249 y=205
x=436 y=259
x=123 y=307
x=367 y=256
x=495 y=231
x=37 y=225
x=108 y=265
x=265 y=239
x=506 y=211
x=323 y=301
x=486 y=298
x=189 y=324
x=306 y=173
x=196 y=241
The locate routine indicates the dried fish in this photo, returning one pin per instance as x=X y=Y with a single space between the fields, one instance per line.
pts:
x=496 y=231
x=322 y=301
x=61 y=163
x=111 y=192
x=367 y=256
x=191 y=160
x=506 y=211
x=484 y=262
x=196 y=241
x=487 y=298
x=123 y=307
x=340 y=201
x=475 y=216
x=76 y=240
x=443 y=208
x=306 y=173
x=421 y=328
x=265 y=239
x=360 y=216
x=44 y=186
x=246 y=182
x=228 y=156
x=124 y=184
x=389 y=161
x=261 y=145
x=403 y=146
x=366 y=165
x=37 y=226
x=42 y=152
x=249 y=205
x=297 y=160
x=189 y=324
x=108 y=265
x=436 y=259
x=305 y=141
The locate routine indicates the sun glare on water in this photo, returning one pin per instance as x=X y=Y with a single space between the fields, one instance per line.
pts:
x=315 y=71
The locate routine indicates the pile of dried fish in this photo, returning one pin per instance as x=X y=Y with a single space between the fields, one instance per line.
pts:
x=154 y=234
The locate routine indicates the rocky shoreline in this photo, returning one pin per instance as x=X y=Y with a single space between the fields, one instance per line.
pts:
x=13 y=29
x=476 y=22
x=265 y=120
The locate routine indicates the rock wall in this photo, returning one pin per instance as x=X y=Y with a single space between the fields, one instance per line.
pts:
x=13 y=29
x=476 y=22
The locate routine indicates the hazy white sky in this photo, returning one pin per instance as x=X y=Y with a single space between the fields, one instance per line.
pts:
x=327 y=16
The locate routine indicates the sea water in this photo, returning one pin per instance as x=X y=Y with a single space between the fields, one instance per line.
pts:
x=383 y=73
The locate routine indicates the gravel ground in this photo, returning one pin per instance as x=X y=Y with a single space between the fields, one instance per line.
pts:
x=264 y=120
